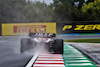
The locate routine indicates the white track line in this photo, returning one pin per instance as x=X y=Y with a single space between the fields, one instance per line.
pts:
x=31 y=62
x=48 y=65
x=47 y=59
x=49 y=62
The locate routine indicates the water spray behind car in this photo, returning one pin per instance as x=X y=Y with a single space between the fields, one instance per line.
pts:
x=34 y=45
x=40 y=47
x=42 y=43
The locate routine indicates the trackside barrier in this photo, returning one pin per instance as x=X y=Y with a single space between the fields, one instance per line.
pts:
x=79 y=34
x=26 y=28
x=74 y=58
x=68 y=28
x=78 y=27
x=0 y=29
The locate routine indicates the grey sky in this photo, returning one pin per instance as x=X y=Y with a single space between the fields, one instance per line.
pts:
x=46 y=1
x=49 y=1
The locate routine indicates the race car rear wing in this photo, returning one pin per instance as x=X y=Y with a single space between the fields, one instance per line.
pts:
x=47 y=35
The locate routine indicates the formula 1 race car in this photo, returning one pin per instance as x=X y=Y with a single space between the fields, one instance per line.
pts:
x=38 y=41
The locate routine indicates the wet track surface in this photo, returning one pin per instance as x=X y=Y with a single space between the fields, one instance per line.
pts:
x=10 y=55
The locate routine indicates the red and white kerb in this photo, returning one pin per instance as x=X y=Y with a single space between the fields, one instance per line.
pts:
x=49 y=60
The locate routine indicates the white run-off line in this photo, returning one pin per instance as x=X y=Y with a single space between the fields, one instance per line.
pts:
x=32 y=61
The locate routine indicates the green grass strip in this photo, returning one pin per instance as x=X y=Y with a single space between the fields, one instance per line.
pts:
x=87 y=33
x=84 y=40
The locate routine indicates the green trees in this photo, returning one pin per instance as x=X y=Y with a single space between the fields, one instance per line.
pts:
x=11 y=10
x=25 y=11
x=77 y=10
x=92 y=10
x=39 y=12
x=66 y=10
x=60 y=10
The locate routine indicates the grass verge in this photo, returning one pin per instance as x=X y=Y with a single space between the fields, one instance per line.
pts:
x=84 y=40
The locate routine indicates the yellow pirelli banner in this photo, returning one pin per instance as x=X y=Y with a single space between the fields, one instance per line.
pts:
x=26 y=28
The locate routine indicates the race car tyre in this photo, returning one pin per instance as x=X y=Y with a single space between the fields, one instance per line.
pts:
x=25 y=45
x=58 y=46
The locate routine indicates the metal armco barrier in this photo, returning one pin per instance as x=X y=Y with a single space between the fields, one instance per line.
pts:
x=78 y=27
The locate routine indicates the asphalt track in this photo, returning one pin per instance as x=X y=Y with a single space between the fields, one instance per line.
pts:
x=10 y=55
